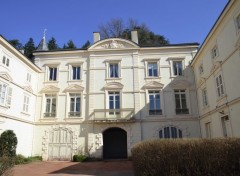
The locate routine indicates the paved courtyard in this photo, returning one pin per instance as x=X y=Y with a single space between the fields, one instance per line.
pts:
x=102 y=168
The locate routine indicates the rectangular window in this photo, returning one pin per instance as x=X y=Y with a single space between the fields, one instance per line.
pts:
x=204 y=97
x=29 y=77
x=114 y=102
x=3 y=93
x=75 y=105
x=76 y=72
x=214 y=52
x=52 y=73
x=208 y=130
x=177 y=68
x=152 y=69
x=226 y=126
x=181 y=102
x=51 y=106
x=5 y=61
x=201 y=69
x=154 y=103
x=238 y=21
x=113 y=70
x=26 y=103
x=219 y=84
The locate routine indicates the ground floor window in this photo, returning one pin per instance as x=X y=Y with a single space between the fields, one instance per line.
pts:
x=170 y=132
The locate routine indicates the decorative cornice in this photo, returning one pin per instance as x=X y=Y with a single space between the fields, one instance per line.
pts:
x=74 y=88
x=153 y=85
x=50 y=89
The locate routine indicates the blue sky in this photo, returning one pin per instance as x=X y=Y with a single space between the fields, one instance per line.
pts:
x=180 y=21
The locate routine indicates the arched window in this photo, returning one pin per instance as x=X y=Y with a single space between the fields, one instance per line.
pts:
x=170 y=132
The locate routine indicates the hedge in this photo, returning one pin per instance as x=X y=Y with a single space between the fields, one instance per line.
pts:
x=187 y=157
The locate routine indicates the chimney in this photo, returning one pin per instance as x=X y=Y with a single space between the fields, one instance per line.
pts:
x=96 y=37
x=134 y=36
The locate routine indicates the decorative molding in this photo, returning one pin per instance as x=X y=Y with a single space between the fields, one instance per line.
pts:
x=6 y=76
x=113 y=86
x=216 y=65
x=201 y=81
x=50 y=89
x=28 y=89
x=179 y=84
x=153 y=85
x=74 y=88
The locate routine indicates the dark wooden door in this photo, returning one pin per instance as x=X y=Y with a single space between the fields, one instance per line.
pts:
x=114 y=144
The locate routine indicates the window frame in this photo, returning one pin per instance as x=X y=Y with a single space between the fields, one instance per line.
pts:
x=170 y=135
x=5 y=61
x=47 y=72
x=149 y=61
x=50 y=114
x=7 y=99
x=108 y=63
x=220 y=89
x=114 y=110
x=154 y=92
x=181 y=110
x=26 y=103
x=204 y=97
x=214 y=52
x=208 y=130
x=171 y=62
x=200 y=68
x=70 y=71
x=75 y=113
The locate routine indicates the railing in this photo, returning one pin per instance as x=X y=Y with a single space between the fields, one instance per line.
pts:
x=113 y=114
x=182 y=111
x=50 y=114
x=74 y=114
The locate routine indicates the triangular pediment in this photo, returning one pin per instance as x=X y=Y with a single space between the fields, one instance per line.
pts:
x=113 y=43
x=113 y=86
x=74 y=88
x=153 y=85
x=50 y=89
x=179 y=84
x=28 y=89
x=215 y=66
x=6 y=76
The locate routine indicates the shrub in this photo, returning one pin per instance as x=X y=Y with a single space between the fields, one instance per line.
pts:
x=6 y=163
x=8 y=144
x=187 y=157
x=79 y=158
x=20 y=159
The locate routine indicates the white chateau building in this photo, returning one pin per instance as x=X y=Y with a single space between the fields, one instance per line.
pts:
x=104 y=99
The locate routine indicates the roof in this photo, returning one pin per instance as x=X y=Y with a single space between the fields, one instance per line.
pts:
x=42 y=45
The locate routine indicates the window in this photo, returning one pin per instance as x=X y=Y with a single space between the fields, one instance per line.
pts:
x=170 y=132
x=26 y=103
x=219 y=84
x=5 y=61
x=76 y=72
x=29 y=77
x=208 y=130
x=214 y=52
x=52 y=73
x=238 y=22
x=114 y=102
x=5 y=94
x=152 y=69
x=154 y=103
x=177 y=68
x=201 y=69
x=226 y=126
x=181 y=102
x=75 y=105
x=51 y=105
x=113 y=70
x=204 y=97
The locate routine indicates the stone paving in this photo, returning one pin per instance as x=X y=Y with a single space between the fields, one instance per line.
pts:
x=100 y=168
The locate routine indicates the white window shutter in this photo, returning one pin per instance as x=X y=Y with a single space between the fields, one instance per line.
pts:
x=9 y=96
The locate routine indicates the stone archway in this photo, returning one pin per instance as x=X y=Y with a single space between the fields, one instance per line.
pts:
x=114 y=143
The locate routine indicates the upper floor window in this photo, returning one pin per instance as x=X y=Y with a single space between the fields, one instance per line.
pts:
x=204 y=97
x=214 y=52
x=113 y=70
x=152 y=69
x=208 y=130
x=201 y=69
x=181 y=102
x=177 y=68
x=154 y=103
x=219 y=85
x=5 y=61
x=29 y=77
x=51 y=105
x=26 y=103
x=114 y=102
x=52 y=74
x=75 y=105
x=5 y=94
x=226 y=126
x=170 y=132
x=76 y=72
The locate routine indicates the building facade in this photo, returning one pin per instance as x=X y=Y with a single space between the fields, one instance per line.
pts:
x=216 y=68
x=102 y=100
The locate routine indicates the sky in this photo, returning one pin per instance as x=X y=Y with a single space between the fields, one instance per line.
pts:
x=180 y=21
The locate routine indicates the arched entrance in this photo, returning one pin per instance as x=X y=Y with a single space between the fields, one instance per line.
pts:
x=114 y=143
x=60 y=144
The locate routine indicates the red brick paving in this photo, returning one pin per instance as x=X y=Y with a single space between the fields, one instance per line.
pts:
x=101 y=168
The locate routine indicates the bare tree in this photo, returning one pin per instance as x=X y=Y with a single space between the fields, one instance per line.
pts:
x=113 y=28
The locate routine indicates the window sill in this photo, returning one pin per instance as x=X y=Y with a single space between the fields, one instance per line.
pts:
x=112 y=79
x=25 y=113
x=4 y=106
x=50 y=82
x=73 y=118
x=73 y=81
x=221 y=97
x=176 y=76
x=153 y=77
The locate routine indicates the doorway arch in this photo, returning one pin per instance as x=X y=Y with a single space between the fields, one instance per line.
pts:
x=114 y=143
